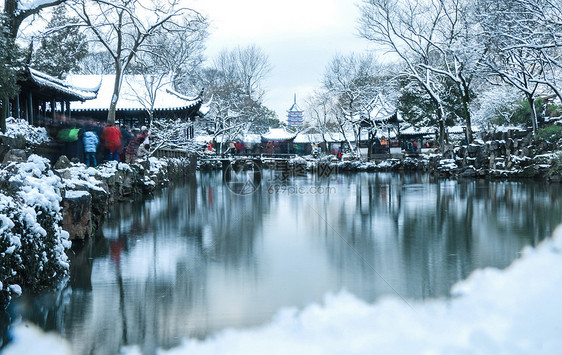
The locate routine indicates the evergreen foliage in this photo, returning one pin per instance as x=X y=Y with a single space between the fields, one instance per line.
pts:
x=10 y=61
x=419 y=109
x=551 y=134
x=522 y=113
x=63 y=46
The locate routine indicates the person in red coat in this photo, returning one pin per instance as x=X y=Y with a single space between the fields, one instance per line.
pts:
x=111 y=137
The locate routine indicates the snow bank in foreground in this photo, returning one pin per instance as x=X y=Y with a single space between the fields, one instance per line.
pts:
x=515 y=311
x=29 y=339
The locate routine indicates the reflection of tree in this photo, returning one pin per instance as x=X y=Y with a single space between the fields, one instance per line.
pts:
x=152 y=267
x=421 y=234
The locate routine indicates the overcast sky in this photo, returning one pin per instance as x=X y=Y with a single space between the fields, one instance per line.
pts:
x=299 y=36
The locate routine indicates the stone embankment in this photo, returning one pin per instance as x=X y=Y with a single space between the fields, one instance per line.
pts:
x=492 y=160
x=501 y=156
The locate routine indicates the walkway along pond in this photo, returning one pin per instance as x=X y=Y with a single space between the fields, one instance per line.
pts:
x=198 y=258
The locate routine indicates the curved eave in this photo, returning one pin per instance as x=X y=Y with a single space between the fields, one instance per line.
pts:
x=135 y=109
x=44 y=81
x=419 y=134
x=278 y=139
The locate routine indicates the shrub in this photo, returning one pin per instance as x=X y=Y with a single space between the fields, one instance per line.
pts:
x=32 y=242
x=551 y=134
x=556 y=168
x=522 y=114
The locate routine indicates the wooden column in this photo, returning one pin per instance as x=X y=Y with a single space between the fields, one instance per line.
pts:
x=53 y=109
x=30 y=118
x=17 y=104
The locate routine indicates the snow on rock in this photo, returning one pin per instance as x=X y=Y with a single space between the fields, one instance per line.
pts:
x=76 y=194
x=33 y=135
x=15 y=289
x=157 y=165
x=32 y=242
x=80 y=176
x=447 y=165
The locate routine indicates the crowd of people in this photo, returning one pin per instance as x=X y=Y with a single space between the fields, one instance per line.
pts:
x=90 y=142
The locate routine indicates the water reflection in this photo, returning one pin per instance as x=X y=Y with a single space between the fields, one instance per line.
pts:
x=197 y=258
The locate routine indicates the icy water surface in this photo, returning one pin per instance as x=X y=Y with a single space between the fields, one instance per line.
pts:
x=196 y=258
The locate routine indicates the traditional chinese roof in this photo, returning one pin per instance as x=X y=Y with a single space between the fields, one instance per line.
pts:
x=308 y=138
x=295 y=108
x=50 y=87
x=380 y=110
x=278 y=134
x=418 y=131
x=425 y=131
x=132 y=96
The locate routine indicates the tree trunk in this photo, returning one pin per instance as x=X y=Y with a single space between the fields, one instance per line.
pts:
x=441 y=129
x=4 y=114
x=531 y=101
x=115 y=97
x=465 y=96
x=10 y=10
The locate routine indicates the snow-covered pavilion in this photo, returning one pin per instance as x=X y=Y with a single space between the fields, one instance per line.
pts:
x=278 y=135
x=136 y=100
x=278 y=140
x=44 y=98
x=382 y=120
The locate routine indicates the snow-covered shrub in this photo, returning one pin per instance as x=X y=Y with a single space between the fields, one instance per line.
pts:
x=10 y=245
x=33 y=135
x=32 y=242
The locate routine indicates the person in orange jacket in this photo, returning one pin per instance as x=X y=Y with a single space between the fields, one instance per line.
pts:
x=111 y=138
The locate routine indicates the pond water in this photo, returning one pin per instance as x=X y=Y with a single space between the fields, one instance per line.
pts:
x=196 y=258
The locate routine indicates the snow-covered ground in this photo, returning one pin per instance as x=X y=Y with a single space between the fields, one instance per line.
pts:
x=514 y=311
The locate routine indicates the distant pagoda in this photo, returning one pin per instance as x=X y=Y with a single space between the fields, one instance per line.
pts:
x=295 y=115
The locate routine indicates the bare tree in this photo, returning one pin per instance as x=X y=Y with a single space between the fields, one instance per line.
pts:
x=532 y=28
x=458 y=53
x=234 y=80
x=168 y=133
x=165 y=60
x=321 y=112
x=523 y=47
x=247 y=66
x=123 y=28
x=16 y=12
x=353 y=81
x=408 y=30
x=146 y=89
x=175 y=53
